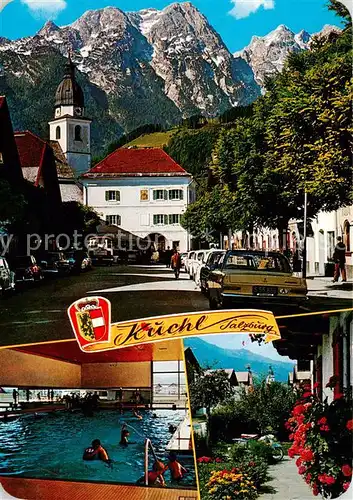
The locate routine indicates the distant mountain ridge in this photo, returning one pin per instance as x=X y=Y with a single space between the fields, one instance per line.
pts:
x=136 y=68
x=266 y=55
x=210 y=355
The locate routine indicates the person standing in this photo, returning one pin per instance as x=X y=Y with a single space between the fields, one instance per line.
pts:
x=339 y=257
x=176 y=263
x=15 y=396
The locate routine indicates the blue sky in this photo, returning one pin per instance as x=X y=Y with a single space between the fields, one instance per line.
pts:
x=244 y=342
x=235 y=20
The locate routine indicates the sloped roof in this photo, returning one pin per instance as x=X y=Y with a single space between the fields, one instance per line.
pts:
x=62 y=167
x=136 y=162
x=31 y=150
x=242 y=377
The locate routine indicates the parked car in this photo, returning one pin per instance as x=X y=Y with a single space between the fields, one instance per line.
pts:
x=78 y=260
x=212 y=262
x=189 y=258
x=249 y=277
x=198 y=261
x=7 y=277
x=55 y=263
x=26 y=269
x=183 y=257
x=102 y=256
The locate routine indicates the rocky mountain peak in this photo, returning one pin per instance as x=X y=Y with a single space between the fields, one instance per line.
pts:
x=48 y=28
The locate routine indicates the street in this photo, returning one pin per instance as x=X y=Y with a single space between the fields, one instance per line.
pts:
x=38 y=314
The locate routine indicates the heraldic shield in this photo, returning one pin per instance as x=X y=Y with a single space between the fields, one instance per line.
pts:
x=91 y=320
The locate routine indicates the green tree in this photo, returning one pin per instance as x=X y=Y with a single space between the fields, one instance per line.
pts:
x=210 y=389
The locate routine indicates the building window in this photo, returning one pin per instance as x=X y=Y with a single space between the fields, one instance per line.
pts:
x=160 y=219
x=176 y=194
x=174 y=219
x=144 y=195
x=169 y=384
x=160 y=194
x=112 y=196
x=1 y=159
x=78 y=133
x=58 y=133
x=113 y=220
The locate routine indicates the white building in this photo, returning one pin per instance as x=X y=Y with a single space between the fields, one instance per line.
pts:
x=144 y=191
x=69 y=127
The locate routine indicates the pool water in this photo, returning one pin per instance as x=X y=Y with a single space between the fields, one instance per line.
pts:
x=52 y=446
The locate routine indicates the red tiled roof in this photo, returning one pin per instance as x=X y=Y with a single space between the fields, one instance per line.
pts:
x=31 y=149
x=136 y=162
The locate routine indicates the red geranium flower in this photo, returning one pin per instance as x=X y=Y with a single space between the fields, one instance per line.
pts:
x=346 y=470
x=204 y=460
x=307 y=395
x=349 y=425
x=308 y=478
x=302 y=470
x=339 y=396
x=218 y=460
x=307 y=455
x=346 y=486
x=322 y=421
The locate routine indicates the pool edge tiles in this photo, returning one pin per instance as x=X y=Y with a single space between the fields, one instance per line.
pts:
x=43 y=489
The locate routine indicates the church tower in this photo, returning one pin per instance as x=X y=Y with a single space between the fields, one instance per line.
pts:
x=69 y=127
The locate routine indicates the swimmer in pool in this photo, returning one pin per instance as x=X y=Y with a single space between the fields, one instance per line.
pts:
x=96 y=452
x=176 y=469
x=124 y=436
x=155 y=476
x=136 y=414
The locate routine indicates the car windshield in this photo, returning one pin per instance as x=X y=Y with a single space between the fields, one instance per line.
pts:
x=214 y=258
x=257 y=261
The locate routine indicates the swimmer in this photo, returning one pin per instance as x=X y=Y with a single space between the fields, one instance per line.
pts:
x=136 y=414
x=155 y=476
x=172 y=428
x=176 y=469
x=154 y=415
x=124 y=436
x=96 y=452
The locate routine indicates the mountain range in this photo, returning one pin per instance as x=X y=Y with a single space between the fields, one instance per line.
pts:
x=152 y=66
x=213 y=356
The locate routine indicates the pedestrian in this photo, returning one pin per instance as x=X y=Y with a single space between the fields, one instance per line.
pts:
x=38 y=396
x=52 y=395
x=28 y=395
x=15 y=396
x=339 y=257
x=168 y=256
x=175 y=263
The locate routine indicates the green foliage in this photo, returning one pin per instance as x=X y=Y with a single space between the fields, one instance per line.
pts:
x=78 y=217
x=340 y=10
x=210 y=389
x=192 y=149
x=260 y=411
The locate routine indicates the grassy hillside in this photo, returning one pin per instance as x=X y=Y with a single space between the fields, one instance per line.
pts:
x=155 y=140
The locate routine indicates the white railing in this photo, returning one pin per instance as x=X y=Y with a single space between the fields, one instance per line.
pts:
x=148 y=444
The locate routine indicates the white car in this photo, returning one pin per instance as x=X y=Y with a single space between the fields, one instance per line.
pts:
x=190 y=256
x=197 y=263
